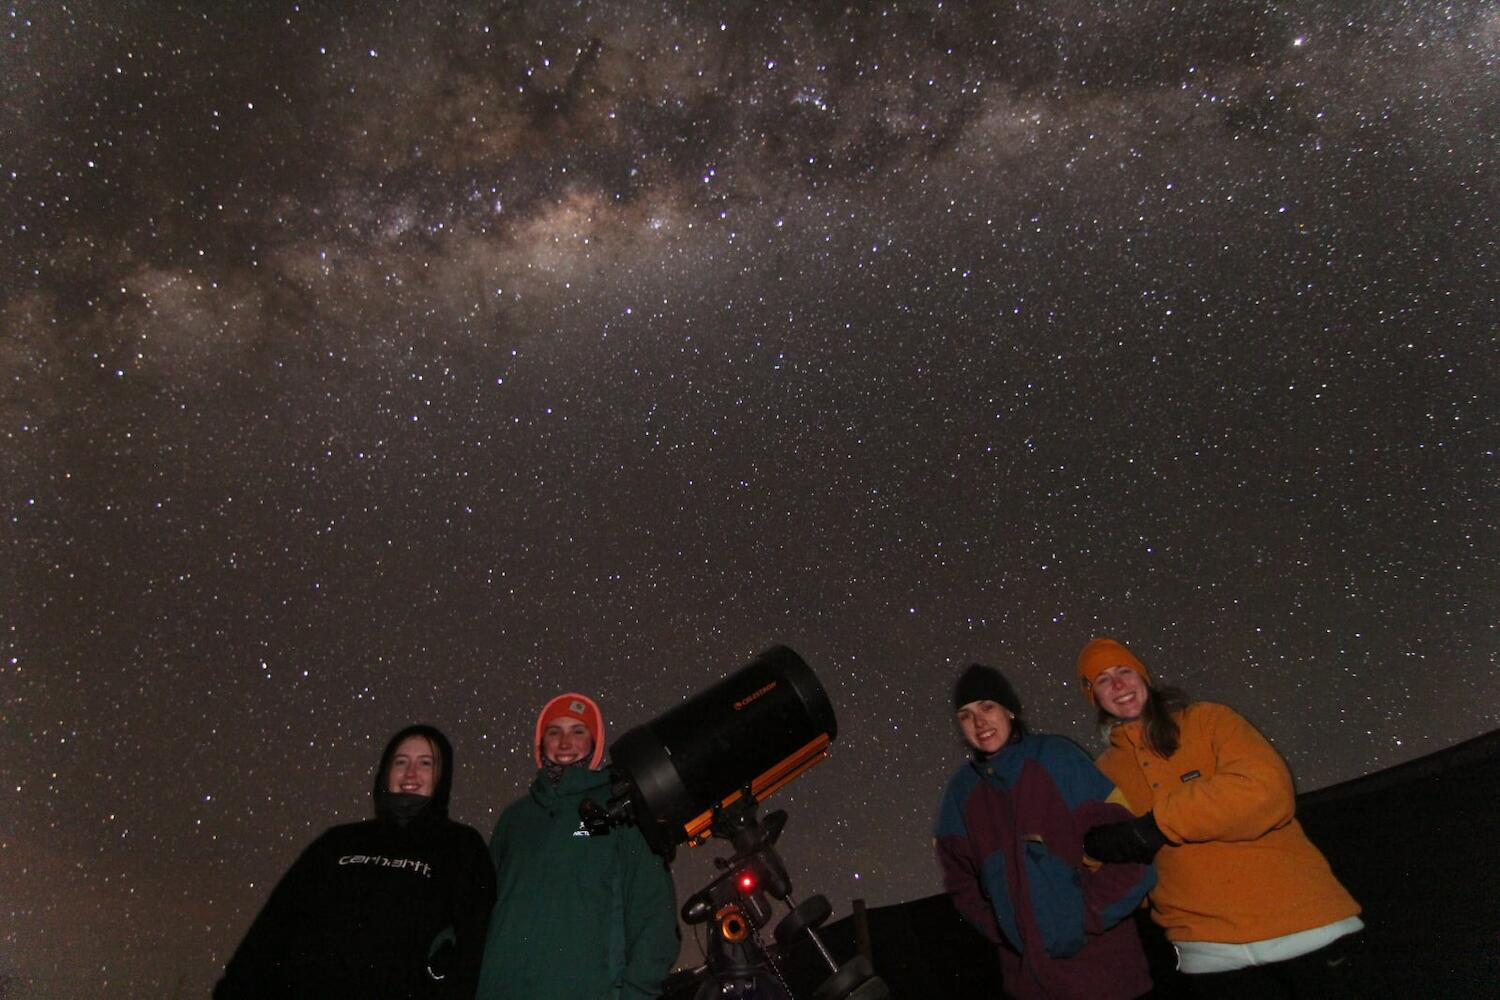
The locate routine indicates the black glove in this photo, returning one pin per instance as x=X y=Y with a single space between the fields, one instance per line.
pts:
x=1135 y=840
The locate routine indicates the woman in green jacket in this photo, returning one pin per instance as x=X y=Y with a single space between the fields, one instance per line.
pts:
x=580 y=915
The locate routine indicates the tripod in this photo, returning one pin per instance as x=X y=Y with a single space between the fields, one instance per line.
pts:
x=735 y=907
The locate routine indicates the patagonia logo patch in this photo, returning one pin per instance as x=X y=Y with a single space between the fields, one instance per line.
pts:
x=1190 y=775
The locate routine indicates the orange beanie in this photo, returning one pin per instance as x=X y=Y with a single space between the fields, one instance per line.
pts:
x=575 y=706
x=1101 y=654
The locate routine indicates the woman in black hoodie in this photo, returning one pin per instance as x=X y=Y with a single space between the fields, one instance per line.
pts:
x=393 y=907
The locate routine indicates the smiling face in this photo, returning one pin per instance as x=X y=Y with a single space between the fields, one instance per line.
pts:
x=985 y=725
x=413 y=768
x=566 y=740
x=1121 y=692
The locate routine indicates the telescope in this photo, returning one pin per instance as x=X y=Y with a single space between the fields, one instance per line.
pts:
x=700 y=770
x=759 y=728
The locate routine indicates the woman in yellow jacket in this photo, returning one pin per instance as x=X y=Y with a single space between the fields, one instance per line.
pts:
x=1246 y=899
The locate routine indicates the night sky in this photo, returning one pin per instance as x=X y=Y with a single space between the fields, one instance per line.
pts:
x=365 y=366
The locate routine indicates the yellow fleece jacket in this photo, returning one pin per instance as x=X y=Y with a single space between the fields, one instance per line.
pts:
x=1238 y=868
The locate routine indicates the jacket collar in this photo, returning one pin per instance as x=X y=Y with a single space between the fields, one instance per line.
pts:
x=1003 y=763
x=577 y=781
x=1126 y=735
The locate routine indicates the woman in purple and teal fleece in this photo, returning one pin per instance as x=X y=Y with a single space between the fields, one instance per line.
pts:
x=1009 y=840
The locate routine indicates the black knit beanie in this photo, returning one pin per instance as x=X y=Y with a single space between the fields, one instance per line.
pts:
x=981 y=683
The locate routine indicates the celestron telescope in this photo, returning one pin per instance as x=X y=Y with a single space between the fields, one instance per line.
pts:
x=700 y=770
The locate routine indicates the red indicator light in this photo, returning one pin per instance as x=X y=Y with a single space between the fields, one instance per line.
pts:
x=747 y=882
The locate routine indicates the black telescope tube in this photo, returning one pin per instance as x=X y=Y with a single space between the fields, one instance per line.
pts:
x=760 y=725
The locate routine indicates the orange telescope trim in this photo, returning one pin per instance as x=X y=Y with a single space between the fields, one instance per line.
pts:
x=763 y=784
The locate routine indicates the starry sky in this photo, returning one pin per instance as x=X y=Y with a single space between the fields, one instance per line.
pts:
x=364 y=364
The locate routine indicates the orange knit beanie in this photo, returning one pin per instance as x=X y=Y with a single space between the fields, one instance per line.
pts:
x=1101 y=654
x=574 y=706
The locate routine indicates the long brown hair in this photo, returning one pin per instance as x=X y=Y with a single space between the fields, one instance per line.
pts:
x=1160 y=729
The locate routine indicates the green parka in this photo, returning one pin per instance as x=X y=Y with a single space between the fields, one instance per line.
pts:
x=577 y=917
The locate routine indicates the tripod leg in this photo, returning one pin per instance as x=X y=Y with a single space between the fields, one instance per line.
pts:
x=768 y=987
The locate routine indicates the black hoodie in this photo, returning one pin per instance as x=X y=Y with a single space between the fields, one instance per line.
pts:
x=361 y=911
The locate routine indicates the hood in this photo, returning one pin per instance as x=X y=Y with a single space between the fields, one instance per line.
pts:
x=441 y=789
